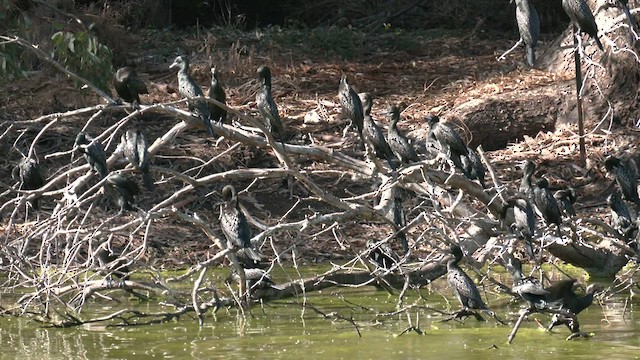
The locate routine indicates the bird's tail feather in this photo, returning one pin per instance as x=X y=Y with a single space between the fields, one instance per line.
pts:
x=531 y=55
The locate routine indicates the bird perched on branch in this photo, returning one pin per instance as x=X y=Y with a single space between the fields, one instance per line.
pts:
x=93 y=152
x=111 y=264
x=464 y=288
x=266 y=106
x=529 y=288
x=582 y=17
x=625 y=172
x=382 y=255
x=566 y=198
x=524 y=225
x=372 y=131
x=29 y=176
x=189 y=88
x=351 y=105
x=526 y=187
x=255 y=279
x=621 y=219
x=234 y=225
x=135 y=149
x=528 y=26
x=122 y=189
x=398 y=143
x=472 y=162
x=129 y=85
x=216 y=91
x=546 y=203
x=449 y=142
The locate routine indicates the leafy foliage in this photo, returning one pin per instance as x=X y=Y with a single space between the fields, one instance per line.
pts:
x=82 y=53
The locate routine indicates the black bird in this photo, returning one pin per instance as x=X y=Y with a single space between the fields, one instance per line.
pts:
x=626 y=175
x=398 y=143
x=29 y=175
x=526 y=187
x=464 y=288
x=382 y=255
x=472 y=161
x=529 y=27
x=234 y=224
x=266 y=106
x=255 y=279
x=566 y=198
x=93 y=152
x=189 y=88
x=621 y=219
x=562 y=296
x=135 y=149
x=111 y=264
x=450 y=143
x=529 y=288
x=216 y=91
x=582 y=17
x=129 y=86
x=372 y=131
x=351 y=105
x=546 y=203
x=122 y=189
x=524 y=225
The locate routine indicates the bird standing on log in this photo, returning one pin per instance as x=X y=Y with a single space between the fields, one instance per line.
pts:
x=529 y=288
x=472 y=162
x=621 y=219
x=398 y=143
x=234 y=224
x=450 y=143
x=351 y=105
x=382 y=255
x=216 y=91
x=29 y=175
x=582 y=17
x=135 y=150
x=189 y=88
x=93 y=152
x=122 y=189
x=129 y=86
x=266 y=106
x=566 y=198
x=529 y=27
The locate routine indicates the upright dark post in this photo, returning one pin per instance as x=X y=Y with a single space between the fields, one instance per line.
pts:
x=576 y=56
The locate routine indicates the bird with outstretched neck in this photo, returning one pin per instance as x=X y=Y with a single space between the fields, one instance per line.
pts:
x=582 y=17
x=134 y=146
x=216 y=92
x=189 y=88
x=562 y=296
x=399 y=143
x=528 y=26
x=266 y=105
x=93 y=152
x=129 y=85
x=235 y=226
x=29 y=176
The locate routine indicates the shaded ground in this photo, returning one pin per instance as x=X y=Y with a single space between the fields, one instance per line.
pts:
x=426 y=72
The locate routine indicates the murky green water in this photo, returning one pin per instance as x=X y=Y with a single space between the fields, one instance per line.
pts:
x=280 y=330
